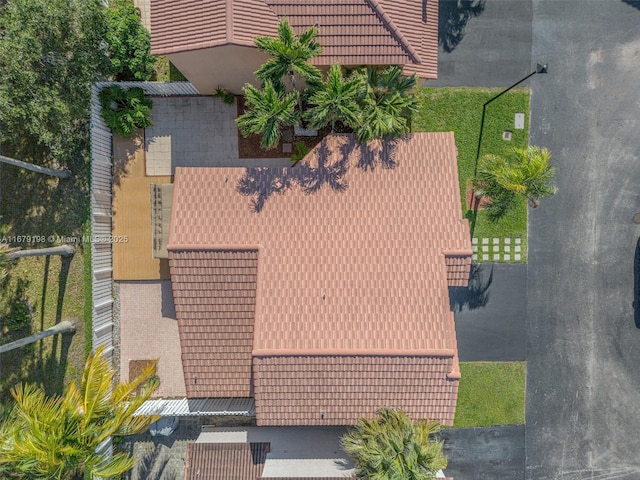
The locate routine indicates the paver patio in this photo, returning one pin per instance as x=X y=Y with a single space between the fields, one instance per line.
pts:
x=149 y=330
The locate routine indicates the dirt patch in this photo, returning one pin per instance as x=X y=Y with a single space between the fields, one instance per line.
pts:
x=473 y=202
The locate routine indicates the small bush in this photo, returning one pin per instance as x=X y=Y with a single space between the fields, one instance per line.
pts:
x=124 y=111
x=19 y=316
x=225 y=95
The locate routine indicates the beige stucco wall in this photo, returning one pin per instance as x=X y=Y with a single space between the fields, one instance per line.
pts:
x=228 y=67
x=145 y=12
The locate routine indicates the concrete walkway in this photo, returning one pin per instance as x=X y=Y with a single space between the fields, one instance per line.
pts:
x=491 y=313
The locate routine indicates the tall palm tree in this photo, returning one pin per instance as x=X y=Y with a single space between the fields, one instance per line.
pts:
x=56 y=437
x=393 y=447
x=334 y=100
x=289 y=55
x=524 y=172
x=268 y=110
x=387 y=104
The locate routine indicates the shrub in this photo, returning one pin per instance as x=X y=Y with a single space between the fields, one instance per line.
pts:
x=124 y=111
x=19 y=316
x=225 y=95
x=129 y=42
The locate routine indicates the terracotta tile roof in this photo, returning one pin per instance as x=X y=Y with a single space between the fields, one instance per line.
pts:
x=370 y=32
x=351 y=32
x=225 y=461
x=215 y=297
x=338 y=390
x=183 y=25
x=353 y=273
x=335 y=264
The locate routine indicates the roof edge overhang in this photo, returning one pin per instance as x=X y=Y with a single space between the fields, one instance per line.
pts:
x=200 y=46
x=212 y=247
x=379 y=352
x=457 y=253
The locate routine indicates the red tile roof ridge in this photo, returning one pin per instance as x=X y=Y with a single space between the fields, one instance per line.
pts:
x=374 y=352
x=229 y=22
x=395 y=31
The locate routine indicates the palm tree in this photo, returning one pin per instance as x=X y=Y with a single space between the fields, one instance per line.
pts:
x=524 y=172
x=335 y=100
x=57 y=437
x=392 y=447
x=289 y=55
x=387 y=104
x=268 y=110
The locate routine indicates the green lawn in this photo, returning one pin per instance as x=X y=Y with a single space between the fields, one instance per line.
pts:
x=51 y=288
x=460 y=110
x=491 y=393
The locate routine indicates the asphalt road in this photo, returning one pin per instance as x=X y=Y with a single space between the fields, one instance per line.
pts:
x=490 y=453
x=583 y=347
x=491 y=313
x=483 y=43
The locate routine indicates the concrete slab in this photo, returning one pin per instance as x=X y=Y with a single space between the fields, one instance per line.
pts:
x=487 y=453
x=484 y=43
x=195 y=132
x=490 y=313
x=295 y=451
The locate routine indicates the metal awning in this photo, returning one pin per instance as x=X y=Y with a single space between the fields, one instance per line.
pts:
x=183 y=407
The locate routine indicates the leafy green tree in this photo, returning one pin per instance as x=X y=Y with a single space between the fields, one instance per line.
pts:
x=50 y=53
x=523 y=173
x=56 y=437
x=289 y=56
x=335 y=100
x=129 y=43
x=267 y=111
x=393 y=447
x=387 y=103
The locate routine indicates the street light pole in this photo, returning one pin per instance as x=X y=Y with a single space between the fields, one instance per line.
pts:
x=539 y=69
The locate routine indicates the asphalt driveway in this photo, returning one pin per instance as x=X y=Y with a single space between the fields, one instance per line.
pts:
x=491 y=313
x=484 y=43
x=583 y=347
x=488 y=453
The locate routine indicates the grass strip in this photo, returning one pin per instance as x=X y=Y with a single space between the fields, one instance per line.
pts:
x=491 y=393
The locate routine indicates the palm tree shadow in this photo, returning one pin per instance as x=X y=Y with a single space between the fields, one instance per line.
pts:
x=262 y=183
x=453 y=16
x=476 y=294
x=62 y=284
x=154 y=465
x=373 y=153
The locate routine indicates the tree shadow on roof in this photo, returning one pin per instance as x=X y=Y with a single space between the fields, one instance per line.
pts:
x=476 y=294
x=262 y=183
x=453 y=16
x=633 y=3
x=372 y=154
